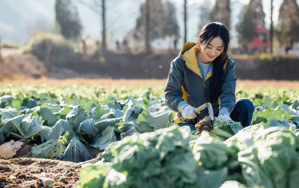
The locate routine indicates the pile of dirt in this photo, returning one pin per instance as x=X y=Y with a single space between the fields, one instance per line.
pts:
x=23 y=64
x=24 y=170
x=27 y=65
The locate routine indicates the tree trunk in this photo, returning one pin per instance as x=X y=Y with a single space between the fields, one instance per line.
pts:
x=104 y=45
x=0 y=52
x=147 y=26
x=185 y=21
x=271 y=28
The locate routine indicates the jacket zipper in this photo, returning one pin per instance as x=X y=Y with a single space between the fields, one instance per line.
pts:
x=204 y=85
x=204 y=92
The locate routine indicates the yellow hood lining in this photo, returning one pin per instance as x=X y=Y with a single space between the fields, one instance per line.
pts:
x=189 y=55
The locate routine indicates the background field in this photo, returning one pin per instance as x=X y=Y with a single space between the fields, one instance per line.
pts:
x=241 y=84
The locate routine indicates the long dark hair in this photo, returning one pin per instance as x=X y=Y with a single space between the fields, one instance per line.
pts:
x=207 y=34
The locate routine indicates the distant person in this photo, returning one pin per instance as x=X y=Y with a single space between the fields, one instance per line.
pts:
x=97 y=46
x=98 y=53
x=126 y=46
x=203 y=72
x=175 y=42
x=125 y=42
x=117 y=45
x=83 y=41
x=287 y=49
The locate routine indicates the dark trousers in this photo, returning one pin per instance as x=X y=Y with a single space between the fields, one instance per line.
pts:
x=242 y=112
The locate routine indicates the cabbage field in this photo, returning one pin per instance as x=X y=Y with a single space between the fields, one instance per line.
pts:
x=138 y=145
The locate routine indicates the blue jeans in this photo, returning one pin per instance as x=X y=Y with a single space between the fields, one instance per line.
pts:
x=242 y=112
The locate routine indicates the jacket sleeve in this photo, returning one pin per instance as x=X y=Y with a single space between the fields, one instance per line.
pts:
x=227 y=98
x=173 y=90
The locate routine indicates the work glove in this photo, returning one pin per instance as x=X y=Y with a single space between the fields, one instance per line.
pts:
x=224 y=117
x=187 y=111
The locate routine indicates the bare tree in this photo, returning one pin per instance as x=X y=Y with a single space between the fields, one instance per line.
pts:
x=150 y=22
x=104 y=44
x=252 y=18
x=271 y=28
x=1 y=65
x=221 y=12
x=288 y=22
x=0 y=51
x=99 y=8
x=205 y=9
x=147 y=26
x=185 y=21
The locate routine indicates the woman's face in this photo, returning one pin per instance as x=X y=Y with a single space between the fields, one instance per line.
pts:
x=212 y=50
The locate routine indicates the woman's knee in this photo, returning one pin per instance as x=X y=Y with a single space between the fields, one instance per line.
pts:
x=246 y=104
x=192 y=126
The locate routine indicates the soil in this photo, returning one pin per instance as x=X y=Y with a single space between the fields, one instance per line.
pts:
x=204 y=125
x=24 y=170
x=28 y=66
x=23 y=64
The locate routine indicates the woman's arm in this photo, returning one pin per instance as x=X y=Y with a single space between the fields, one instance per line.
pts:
x=173 y=90
x=227 y=99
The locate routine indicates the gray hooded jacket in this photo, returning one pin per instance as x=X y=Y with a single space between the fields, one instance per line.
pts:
x=185 y=82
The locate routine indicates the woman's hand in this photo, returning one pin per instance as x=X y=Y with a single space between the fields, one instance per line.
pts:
x=224 y=117
x=187 y=111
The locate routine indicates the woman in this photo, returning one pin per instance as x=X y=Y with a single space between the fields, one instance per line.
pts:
x=202 y=73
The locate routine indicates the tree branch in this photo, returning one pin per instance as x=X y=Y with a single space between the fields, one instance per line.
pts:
x=96 y=9
x=97 y=3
